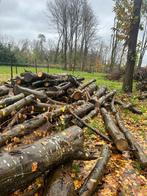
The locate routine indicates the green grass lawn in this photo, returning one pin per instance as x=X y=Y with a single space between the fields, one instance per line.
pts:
x=100 y=77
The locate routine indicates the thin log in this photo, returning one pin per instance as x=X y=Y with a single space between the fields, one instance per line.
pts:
x=80 y=111
x=38 y=94
x=100 y=92
x=60 y=182
x=128 y=106
x=97 y=132
x=19 y=168
x=16 y=106
x=117 y=136
x=87 y=84
x=95 y=176
x=135 y=147
x=10 y=100
x=4 y=91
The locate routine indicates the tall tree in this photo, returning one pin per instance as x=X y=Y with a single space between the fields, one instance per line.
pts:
x=143 y=44
x=132 y=43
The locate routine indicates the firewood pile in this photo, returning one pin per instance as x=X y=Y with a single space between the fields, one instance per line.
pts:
x=42 y=117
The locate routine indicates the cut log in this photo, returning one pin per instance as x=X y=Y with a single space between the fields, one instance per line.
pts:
x=10 y=100
x=60 y=182
x=95 y=176
x=135 y=147
x=38 y=94
x=117 y=136
x=21 y=167
x=4 y=90
x=16 y=106
x=28 y=126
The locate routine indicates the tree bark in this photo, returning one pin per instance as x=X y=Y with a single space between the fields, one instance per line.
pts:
x=95 y=176
x=21 y=167
x=4 y=90
x=117 y=136
x=16 y=106
x=10 y=100
x=38 y=94
x=132 y=43
x=60 y=182
x=28 y=126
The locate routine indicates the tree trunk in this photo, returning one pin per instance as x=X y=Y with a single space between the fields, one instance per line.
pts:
x=19 y=168
x=131 y=57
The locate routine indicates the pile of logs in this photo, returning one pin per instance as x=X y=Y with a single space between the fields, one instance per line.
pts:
x=42 y=118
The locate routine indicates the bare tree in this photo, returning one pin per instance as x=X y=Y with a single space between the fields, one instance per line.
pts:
x=132 y=43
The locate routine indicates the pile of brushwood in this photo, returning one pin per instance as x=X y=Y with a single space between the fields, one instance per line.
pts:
x=42 y=117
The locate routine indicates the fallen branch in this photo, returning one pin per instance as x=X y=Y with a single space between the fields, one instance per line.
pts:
x=95 y=176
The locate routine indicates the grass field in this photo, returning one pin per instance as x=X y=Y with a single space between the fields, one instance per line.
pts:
x=100 y=77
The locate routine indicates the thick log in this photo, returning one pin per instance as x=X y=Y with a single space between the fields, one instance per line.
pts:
x=10 y=100
x=60 y=182
x=95 y=176
x=21 y=167
x=117 y=136
x=28 y=126
x=135 y=147
x=16 y=106
x=38 y=94
x=4 y=90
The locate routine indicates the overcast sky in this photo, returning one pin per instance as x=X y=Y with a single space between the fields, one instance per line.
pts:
x=22 y=19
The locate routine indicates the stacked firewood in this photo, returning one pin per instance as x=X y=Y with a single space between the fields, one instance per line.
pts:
x=42 y=117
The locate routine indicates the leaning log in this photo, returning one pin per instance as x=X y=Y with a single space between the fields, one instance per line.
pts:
x=10 y=100
x=60 y=182
x=117 y=136
x=26 y=91
x=16 y=106
x=19 y=168
x=28 y=126
x=4 y=90
x=95 y=176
